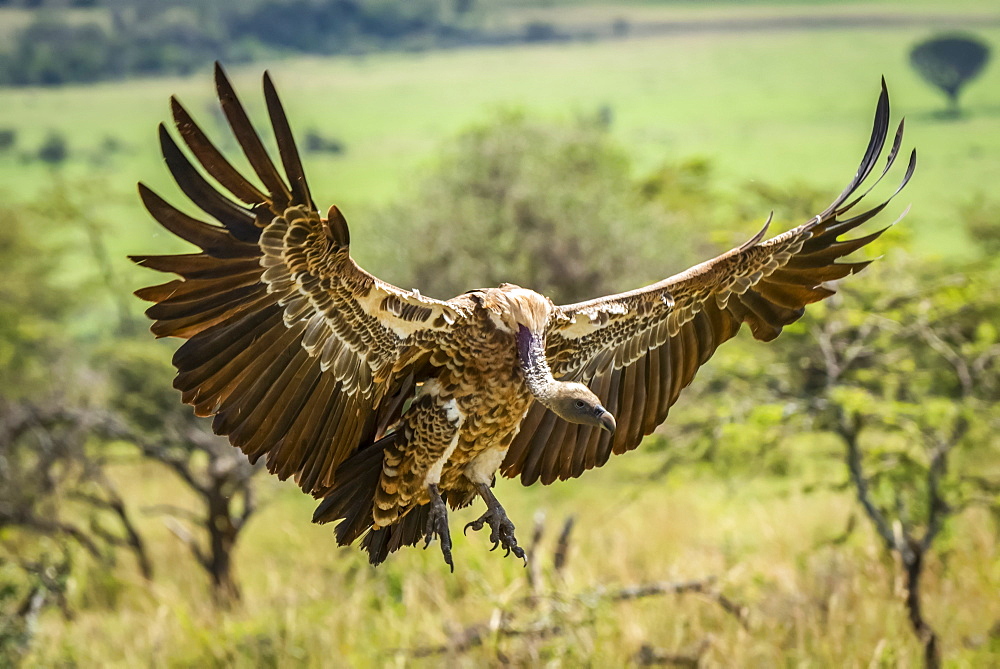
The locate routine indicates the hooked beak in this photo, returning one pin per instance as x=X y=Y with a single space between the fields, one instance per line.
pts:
x=607 y=421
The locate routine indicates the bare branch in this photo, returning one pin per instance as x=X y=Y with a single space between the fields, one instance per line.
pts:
x=849 y=431
x=188 y=539
x=51 y=527
x=561 y=554
x=950 y=354
x=937 y=508
x=249 y=507
x=649 y=656
x=176 y=511
x=702 y=587
x=551 y=624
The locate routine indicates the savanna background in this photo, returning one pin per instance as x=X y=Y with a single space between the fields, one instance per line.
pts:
x=830 y=499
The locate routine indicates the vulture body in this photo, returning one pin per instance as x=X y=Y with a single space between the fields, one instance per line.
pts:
x=390 y=406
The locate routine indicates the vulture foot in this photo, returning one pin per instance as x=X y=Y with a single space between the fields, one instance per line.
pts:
x=437 y=524
x=501 y=528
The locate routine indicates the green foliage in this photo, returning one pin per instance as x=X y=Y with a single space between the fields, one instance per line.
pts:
x=537 y=204
x=950 y=62
x=8 y=139
x=333 y=26
x=53 y=51
x=53 y=150
x=137 y=37
x=140 y=383
x=32 y=307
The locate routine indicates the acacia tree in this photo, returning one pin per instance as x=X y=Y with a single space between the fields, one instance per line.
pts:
x=56 y=497
x=56 y=500
x=166 y=431
x=905 y=378
x=903 y=370
x=949 y=63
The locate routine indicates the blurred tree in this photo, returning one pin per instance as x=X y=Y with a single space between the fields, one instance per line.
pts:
x=32 y=307
x=545 y=206
x=8 y=139
x=26 y=588
x=166 y=431
x=949 y=63
x=53 y=480
x=147 y=36
x=65 y=410
x=49 y=466
x=54 y=149
x=53 y=50
x=905 y=375
x=336 y=26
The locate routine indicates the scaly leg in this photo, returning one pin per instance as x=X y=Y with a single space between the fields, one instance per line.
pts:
x=501 y=529
x=437 y=524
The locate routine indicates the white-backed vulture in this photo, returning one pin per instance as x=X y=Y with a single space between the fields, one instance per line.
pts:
x=390 y=406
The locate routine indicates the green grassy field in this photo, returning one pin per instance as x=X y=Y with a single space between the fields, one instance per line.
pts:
x=785 y=106
x=781 y=106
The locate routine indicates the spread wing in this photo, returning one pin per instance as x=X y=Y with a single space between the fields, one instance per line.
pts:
x=638 y=350
x=299 y=353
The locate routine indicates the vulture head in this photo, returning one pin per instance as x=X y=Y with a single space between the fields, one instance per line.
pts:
x=575 y=403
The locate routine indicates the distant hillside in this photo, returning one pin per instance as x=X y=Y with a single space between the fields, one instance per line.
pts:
x=49 y=43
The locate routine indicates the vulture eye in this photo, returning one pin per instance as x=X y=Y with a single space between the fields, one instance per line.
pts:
x=580 y=404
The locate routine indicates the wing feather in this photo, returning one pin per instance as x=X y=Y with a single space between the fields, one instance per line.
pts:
x=250 y=143
x=286 y=144
x=211 y=158
x=290 y=344
x=238 y=220
x=638 y=350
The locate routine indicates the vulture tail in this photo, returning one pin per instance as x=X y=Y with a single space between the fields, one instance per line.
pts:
x=352 y=498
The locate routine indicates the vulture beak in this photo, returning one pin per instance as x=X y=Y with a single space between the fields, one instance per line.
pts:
x=607 y=421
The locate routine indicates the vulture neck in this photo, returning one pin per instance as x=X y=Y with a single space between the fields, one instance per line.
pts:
x=537 y=375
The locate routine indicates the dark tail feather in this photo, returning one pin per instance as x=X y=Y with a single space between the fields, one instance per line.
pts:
x=408 y=531
x=353 y=494
x=351 y=500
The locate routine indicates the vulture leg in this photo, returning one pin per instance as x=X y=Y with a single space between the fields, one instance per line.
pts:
x=502 y=530
x=437 y=524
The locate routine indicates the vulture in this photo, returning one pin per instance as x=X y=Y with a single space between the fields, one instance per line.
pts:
x=390 y=406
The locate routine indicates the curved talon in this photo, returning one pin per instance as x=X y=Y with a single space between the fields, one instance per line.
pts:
x=501 y=531
x=437 y=525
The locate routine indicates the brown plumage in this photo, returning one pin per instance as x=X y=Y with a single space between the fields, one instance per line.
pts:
x=389 y=405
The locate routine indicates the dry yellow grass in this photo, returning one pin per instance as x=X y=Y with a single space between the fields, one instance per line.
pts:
x=308 y=603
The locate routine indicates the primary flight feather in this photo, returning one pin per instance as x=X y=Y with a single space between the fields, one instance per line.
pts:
x=390 y=406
